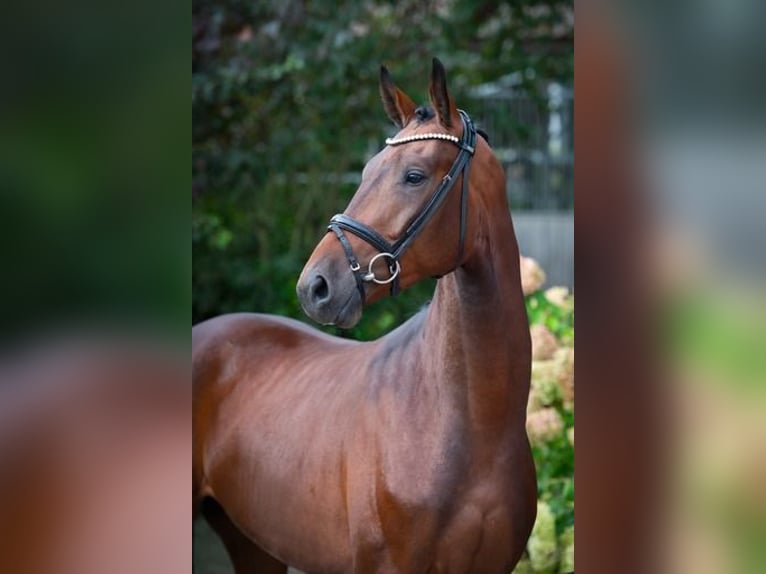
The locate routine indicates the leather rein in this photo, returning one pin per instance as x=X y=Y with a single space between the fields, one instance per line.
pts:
x=394 y=251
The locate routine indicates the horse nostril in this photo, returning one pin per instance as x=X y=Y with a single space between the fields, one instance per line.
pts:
x=319 y=289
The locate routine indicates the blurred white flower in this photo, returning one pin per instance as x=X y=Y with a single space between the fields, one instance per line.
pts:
x=543 y=342
x=560 y=297
x=542 y=549
x=523 y=567
x=566 y=546
x=544 y=425
x=563 y=358
x=532 y=275
x=533 y=403
x=545 y=387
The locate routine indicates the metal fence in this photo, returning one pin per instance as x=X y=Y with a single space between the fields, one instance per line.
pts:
x=548 y=237
x=533 y=138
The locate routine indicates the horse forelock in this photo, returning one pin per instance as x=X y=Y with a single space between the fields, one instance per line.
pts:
x=424 y=113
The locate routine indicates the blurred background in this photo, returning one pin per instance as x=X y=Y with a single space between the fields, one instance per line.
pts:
x=93 y=180
x=286 y=112
x=95 y=265
x=671 y=199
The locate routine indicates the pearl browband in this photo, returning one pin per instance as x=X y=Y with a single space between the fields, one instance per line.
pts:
x=425 y=136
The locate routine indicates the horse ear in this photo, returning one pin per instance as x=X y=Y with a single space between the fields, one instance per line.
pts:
x=440 y=99
x=398 y=105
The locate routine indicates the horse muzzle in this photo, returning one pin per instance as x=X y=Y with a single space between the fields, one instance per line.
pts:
x=329 y=297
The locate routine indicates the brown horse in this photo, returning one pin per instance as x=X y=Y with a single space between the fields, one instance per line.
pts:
x=406 y=454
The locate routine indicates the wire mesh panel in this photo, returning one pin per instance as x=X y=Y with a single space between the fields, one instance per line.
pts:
x=533 y=139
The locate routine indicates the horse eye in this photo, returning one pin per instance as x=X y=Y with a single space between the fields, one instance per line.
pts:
x=414 y=178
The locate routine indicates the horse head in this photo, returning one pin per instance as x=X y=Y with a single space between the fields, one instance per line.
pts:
x=415 y=213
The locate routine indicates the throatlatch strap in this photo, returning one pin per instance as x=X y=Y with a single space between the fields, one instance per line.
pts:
x=463 y=213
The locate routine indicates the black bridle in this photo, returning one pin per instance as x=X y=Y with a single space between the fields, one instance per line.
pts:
x=394 y=251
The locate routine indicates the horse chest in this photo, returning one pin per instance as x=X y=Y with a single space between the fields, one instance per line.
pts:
x=418 y=455
x=423 y=505
x=470 y=535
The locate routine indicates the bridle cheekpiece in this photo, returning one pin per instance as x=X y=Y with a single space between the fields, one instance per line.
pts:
x=394 y=251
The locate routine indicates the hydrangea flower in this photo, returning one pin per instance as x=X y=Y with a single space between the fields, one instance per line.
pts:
x=566 y=544
x=560 y=297
x=545 y=382
x=544 y=425
x=532 y=275
x=544 y=343
x=543 y=553
x=564 y=374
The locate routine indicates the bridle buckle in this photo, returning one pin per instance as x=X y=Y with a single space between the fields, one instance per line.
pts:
x=394 y=268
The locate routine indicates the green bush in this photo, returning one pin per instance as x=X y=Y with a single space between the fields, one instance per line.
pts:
x=550 y=425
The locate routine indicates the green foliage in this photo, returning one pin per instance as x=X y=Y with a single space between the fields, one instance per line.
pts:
x=559 y=319
x=542 y=546
x=566 y=548
x=551 y=546
x=723 y=337
x=555 y=470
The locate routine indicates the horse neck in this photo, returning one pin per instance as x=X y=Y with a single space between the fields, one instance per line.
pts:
x=477 y=330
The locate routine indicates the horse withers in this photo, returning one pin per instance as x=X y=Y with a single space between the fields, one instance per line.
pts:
x=407 y=454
